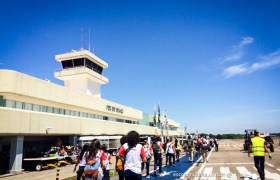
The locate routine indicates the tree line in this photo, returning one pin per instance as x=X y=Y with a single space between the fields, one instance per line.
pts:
x=231 y=136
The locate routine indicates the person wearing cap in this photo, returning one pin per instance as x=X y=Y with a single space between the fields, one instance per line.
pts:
x=258 y=147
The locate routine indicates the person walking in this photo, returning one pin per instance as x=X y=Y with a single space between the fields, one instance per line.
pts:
x=216 y=143
x=166 y=154
x=81 y=161
x=148 y=151
x=204 y=149
x=249 y=139
x=191 y=151
x=95 y=153
x=134 y=154
x=178 y=148
x=258 y=147
x=157 y=151
x=170 y=151
x=108 y=161
x=120 y=173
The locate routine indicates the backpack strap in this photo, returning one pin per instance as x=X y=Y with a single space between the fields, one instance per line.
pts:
x=127 y=150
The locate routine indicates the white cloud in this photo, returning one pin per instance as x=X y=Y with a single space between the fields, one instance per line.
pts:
x=236 y=51
x=233 y=57
x=235 y=70
x=265 y=62
x=245 y=41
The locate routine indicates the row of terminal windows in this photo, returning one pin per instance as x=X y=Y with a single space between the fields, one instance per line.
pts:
x=82 y=62
x=48 y=109
x=159 y=126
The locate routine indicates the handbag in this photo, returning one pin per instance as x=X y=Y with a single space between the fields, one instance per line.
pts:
x=91 y=170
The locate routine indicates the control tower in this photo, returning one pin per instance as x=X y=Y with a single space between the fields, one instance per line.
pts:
x=82 y=71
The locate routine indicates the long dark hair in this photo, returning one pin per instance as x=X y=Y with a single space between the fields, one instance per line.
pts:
x=85 y=148
x=132 y=138
x=123 y=140
x=176 y=143
x=104 y=148
x=93 y=148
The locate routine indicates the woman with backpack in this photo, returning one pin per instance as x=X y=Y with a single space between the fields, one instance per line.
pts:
x=170 y=150
x=81 y=160
x=96 y=159
x=158 y=153
x=148 y=151
x=134 y=154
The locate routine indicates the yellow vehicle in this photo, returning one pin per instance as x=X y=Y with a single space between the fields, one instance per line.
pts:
x=48 y=162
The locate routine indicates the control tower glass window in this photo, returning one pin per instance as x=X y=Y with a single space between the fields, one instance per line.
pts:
x=79 y=62
x=82 y=62
x=67 y=64
x=91 y=65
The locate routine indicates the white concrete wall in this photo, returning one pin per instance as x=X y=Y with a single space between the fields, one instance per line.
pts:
x=15 y=121
x=21 y=87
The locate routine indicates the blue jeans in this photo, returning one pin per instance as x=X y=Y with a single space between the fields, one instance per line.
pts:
x=129 y=175
x=158 y=161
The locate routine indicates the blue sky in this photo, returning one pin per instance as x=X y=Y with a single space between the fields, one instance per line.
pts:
x=214 y=65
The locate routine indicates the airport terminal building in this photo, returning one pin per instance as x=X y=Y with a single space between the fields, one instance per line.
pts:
x=34 y=113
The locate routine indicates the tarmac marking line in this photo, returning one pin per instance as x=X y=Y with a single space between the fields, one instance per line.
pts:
x=229 y=163
x=207 y=174
x=226 y=174
x=271 y=175
x=244 y=172
x=269 y=164
x=190 y=169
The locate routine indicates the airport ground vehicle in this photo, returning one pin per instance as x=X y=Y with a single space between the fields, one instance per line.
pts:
x=112 y=142
x=249 y=133
x=49 y=159
x=48 y=162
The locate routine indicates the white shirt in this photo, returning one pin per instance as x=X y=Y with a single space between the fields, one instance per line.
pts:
x=107 y=161
x=169 y=148
x=83 y=160
x=133 y=157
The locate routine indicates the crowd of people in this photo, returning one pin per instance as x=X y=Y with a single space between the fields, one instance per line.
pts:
x=133 y=158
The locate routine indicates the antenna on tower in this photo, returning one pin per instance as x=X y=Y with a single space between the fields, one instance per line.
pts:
x=82 y=38
x=89 y=38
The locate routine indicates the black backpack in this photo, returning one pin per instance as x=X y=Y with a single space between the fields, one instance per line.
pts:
x=156 y=148
x=271 y=148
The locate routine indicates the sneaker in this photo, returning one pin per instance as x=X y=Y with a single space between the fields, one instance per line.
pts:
x=160 y=174
x=148 y=176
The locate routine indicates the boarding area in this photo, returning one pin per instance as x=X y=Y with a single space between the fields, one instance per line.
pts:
x=231 y=162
